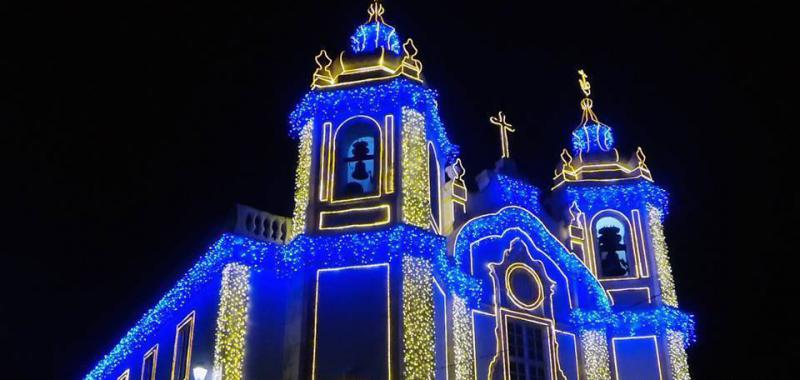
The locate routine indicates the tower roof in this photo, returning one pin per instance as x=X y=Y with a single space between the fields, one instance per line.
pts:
x=591 y=137
x=376 y=54
x=595 y=157
x=375 y=34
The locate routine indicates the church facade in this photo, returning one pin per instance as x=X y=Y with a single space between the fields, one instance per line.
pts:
x=389 y=268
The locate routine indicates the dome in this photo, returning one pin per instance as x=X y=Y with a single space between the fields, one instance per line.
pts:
x=375 y=34
x=592 y=137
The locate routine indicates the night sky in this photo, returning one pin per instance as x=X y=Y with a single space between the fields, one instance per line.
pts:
x=141 y=125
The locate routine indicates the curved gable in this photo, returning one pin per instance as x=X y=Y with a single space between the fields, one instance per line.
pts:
x=590 y=294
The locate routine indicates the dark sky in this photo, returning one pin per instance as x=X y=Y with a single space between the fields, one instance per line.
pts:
x=142 y=123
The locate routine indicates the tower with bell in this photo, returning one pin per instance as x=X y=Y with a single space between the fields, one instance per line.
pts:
x=373 y=151
x=613 y=216
x=374 y=158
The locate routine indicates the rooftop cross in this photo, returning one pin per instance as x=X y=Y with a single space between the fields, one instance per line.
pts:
x=505 y=127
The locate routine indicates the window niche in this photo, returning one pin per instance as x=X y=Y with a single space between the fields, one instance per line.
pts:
x=182 y=355
x=357 y=160
x=613 y=247
x=528 y=353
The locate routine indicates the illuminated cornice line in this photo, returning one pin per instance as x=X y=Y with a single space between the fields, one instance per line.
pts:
x=378 y=100
x=618 y=196
x=363 y=248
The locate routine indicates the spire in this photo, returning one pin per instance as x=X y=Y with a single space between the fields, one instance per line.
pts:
x=591 y=135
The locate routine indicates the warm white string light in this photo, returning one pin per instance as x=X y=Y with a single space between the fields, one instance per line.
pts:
x=232 y=321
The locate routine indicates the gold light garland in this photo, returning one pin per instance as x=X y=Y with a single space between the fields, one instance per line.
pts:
x=416 y=200
x=677 y=356
x=663 y=266
x=462 y=346
x=302 y=178
x=595 y=355
x=232 y=322
x=418 y=328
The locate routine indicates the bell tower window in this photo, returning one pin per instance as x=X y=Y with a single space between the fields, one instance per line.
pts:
x=613 y=258
x=357 y=166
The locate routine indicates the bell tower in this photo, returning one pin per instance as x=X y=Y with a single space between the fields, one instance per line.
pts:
x=613 y=213
x=372 y=149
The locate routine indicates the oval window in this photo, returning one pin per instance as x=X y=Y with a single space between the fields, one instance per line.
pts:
x=524 y=286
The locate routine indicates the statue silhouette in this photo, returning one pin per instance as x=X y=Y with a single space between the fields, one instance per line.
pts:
x=610 y=242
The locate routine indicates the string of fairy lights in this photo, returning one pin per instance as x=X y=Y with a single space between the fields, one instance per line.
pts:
x=302 y=179
x=665 y=280
x=418 y=324
x=232 y=321
x=416 y=194
x=595 y=355
x=462 y=340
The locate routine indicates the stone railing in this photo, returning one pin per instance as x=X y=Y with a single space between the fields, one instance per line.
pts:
x=262 y=225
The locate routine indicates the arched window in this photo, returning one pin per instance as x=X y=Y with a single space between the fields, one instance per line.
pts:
x=613 y=251
x=357 y=165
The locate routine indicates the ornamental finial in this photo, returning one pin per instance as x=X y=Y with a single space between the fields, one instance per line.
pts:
x=322 y=75
x=505 y=127
x=376 y=11
x=586 y=87
x=586 y=102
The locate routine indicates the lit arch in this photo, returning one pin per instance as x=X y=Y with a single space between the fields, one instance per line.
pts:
x=365 y=127
x=631 y=240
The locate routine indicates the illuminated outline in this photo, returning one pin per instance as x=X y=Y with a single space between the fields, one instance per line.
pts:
x=631 y=233
x=549 y=327
x=510 y=290
x=389 y=126
x=645 y=288
x=655 y=344
x=505 y=127
x=637 y=223
x=189 y=320
x=324 y=161
x=125 y=375
x=435 y=219
x=360 y=225
x=575 y=348
x=524 y=233
x=334 y=158
x=154 y=353
x=388 y=313
x=446 y=346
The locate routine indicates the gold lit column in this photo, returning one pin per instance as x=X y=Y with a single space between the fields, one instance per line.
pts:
x=232 y=322
x=418 y=328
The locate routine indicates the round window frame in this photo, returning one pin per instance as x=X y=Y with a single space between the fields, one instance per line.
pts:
x=538 y=282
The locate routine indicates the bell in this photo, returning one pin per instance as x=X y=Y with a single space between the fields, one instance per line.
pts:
x=361 y=171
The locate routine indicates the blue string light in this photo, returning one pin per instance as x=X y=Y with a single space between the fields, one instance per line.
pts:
x=622 y=197
x=388 y=245
x=655 y=320
x=516 y=192
x=592 y=137
x=516 y=217
x=369 y=37
x=376 y=100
